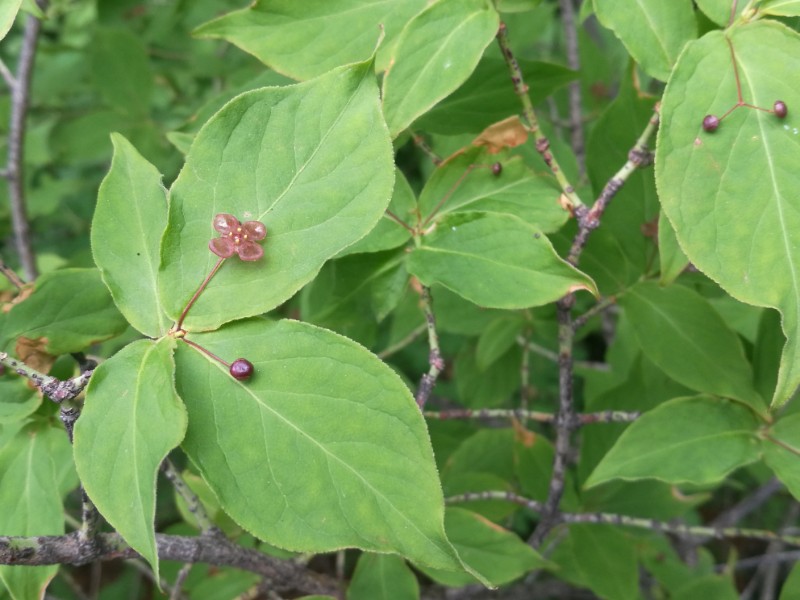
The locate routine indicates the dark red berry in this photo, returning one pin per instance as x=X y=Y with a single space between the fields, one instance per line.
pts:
x=241 y=369
x=779 y=108
x=710 y=123
x=497 y=168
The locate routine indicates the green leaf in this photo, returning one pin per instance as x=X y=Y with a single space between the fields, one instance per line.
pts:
x=388 y=233
x=499 y=555
x=781 y=8
x=350 y=294
x=31 y=464
x=382 y=577
x=781 y=452
x=304 y=39
x=667 y=322
x=436 y=52
x=791 y=587
x=320 y=449
x=17 y=400
x=653 y=31
x=673 y=260
x=603 y=559
x=486 y=97
x=500 y=336
x=495 y=261
x=465 y=183
x=8 y=12
x=126 y=233
x=665 y=443
x=719 y=11
x=70 y=309
x=312 y=161
x=121 y=70
x=736 y=227
x=132 y=418
x=489 y=387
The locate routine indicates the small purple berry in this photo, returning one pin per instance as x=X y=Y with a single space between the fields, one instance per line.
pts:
x=497 y=168
x=710 y=123
x=779 y=108
x=241 y=369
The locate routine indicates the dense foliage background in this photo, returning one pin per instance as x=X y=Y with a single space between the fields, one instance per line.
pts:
x=526 y=317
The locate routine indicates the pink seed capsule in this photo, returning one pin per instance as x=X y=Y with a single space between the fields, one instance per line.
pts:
x=779 y=108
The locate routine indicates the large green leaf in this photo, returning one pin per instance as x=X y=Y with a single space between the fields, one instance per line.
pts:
x=466 y=183
x=731 y=195
x=322 y=448
x=132 y=418
x=126 y=233
x=436 y=52
x=32 y=464
x=495 y=261
x=313 y=161
x=682 y=333
x=382 y=577
x=498 y=554
x=695 y=440
x=653 y=31
x=304 y=39
x=70 y=309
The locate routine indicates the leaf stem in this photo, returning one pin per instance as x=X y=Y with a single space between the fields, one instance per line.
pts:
x=540 y=140
x=206 y=352
x=193 y=299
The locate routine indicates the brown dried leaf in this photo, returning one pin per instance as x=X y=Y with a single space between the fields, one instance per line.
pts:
x=33 y=353
x=8 y=300
x=507 y=133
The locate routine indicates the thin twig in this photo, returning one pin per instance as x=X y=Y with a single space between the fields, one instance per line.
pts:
x=435 y=359
x=525 y=391
x=639 y=156
x=90 y=518
x=7 y=76
x=180 y=578
x=193 y=504
x=598 y=308
x=605 y=416
x=11 y=275
x=420 y=143
x=540 y=140
x=409 y=339
x=20 y=98
x=552 y=356
x=677 y=529
x=575 y=102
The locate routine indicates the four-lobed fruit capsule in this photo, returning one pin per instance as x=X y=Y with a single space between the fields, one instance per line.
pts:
x=710 y=123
